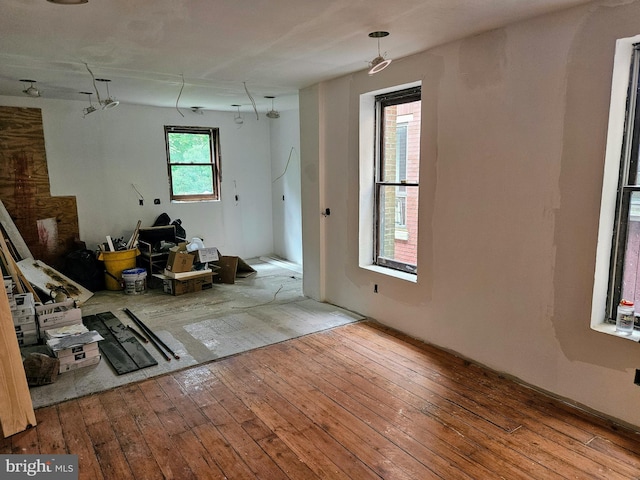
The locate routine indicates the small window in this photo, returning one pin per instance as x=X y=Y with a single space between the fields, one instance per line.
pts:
x=396 y=179
x=193 y=157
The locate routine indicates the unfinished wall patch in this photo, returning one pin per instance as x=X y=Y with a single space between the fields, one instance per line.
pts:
x=483 y=59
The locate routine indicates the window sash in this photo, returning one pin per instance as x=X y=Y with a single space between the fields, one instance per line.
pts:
x=381 y=182
x=213 y=164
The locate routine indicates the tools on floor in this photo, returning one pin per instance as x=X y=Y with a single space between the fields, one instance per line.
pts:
x=153 y=338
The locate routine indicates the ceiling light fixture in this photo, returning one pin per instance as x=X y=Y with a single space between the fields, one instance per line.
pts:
x=68 y=2
x=108 y=102
x=238 y=118
x=91 y=108
x=31 y=90
x=272 y=113
x=379 y=63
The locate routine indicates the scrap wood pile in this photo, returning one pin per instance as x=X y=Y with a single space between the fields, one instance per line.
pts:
x=28 y=274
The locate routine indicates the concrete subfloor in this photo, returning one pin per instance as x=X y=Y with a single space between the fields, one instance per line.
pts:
x=200 y=327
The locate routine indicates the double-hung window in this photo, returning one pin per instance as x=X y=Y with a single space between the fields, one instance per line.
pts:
x=193 y=158
x=397 y=159
x=624 y=278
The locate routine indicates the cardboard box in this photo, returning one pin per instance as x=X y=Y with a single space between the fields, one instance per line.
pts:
x=175 y=286
x=78 y=357
x=207 y=254
x=180 y=260
x=25 y=339
x=24 y=304
x=54 y=315
x=26 y=328
x=233 y=267
x=26 y=319
x=67 y=367
x=186 y=275
x=88 y=349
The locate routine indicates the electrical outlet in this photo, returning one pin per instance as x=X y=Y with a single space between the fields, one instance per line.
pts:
x=140 y=201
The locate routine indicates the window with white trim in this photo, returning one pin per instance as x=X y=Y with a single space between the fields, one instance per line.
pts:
x=397 y=167
x=193 y=160
x=617 y=274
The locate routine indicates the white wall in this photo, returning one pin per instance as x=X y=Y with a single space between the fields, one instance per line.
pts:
x=514 y=130
x=99 y=157
x=286 y=192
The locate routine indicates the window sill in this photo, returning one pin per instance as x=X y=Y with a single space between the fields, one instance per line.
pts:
x=390 y=272
x=610 y=329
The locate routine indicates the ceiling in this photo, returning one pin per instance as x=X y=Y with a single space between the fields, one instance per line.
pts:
x=148 y=48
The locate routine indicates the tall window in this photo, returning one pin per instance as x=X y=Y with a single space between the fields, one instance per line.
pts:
x=624 y=279
x=193 y=156
x=396 y=179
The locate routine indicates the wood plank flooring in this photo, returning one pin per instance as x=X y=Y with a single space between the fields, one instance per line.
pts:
x=355 y=402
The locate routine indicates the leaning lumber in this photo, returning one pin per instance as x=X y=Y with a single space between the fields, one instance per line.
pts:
x=16 y=407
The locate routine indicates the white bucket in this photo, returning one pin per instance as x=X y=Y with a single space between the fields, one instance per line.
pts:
x=135 y=281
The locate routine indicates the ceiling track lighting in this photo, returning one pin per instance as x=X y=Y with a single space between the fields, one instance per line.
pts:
x=238 y=120
x=272 y=113
x=31 y=90
x=379 y=63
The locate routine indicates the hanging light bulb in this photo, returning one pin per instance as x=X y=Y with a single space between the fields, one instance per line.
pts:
x=31 y=90
x=91 y=108
x=272 y=113
x=379 y=63
x=238 y=118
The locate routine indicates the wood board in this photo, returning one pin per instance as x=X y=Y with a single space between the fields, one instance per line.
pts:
x=16 y=407
x=13 y=233
x=47 y=278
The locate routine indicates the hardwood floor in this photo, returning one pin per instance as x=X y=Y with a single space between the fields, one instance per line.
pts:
x=354 y=402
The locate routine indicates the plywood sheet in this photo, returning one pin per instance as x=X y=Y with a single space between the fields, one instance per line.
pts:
x=25 y=189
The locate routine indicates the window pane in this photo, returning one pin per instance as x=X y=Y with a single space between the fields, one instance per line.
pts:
x=189 y=148
x=631 y=275
x=398 y=223
x=192 y=179
x=401 y=155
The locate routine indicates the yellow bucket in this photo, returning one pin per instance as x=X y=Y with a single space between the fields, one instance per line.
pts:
x=115 y=263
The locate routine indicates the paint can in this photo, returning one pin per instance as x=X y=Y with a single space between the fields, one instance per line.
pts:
x=135 y=281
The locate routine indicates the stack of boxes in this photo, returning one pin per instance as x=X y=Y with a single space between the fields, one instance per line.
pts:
x=59 y=325
x=24 y=318
x=55 y=315
x=61 y=328
x=179 y=278
x=74 y=345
